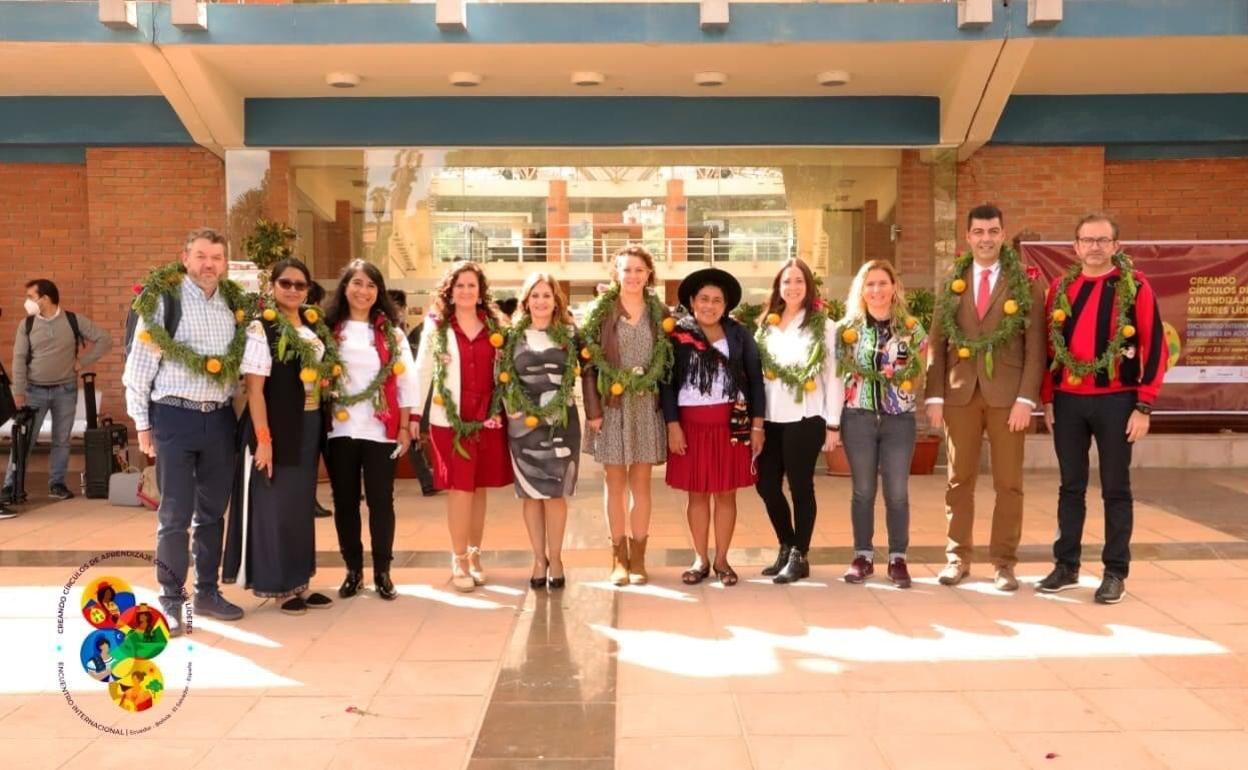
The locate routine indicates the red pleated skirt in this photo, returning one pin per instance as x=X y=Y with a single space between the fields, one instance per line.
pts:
x=711 y=462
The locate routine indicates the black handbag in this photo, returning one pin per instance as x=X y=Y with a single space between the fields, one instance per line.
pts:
x=8 y=406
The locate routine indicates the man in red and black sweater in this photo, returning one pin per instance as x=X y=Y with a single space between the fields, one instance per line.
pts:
x=1114 y=411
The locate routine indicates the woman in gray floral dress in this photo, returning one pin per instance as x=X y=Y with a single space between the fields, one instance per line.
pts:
x=625 y=426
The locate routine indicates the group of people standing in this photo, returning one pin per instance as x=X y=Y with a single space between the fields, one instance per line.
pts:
x=722 y=406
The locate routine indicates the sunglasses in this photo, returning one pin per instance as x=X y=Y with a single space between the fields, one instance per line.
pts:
x=289 y=285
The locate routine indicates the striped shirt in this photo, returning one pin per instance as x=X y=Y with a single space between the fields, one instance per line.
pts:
x=207 y=327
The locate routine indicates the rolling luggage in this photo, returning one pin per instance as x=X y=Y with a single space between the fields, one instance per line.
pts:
x=105 y=444
x=23 y=421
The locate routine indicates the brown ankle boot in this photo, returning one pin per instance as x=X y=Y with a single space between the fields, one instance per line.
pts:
x=637 y=561
x=619 y=562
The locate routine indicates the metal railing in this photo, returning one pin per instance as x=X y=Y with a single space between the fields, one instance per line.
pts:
x=604 y=248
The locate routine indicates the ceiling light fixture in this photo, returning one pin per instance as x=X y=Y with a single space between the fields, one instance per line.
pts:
x=342 y=79
x=588 y=78
x=833 y=78
x=465 y=79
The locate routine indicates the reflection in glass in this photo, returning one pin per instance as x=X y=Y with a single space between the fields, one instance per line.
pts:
x=413 y=210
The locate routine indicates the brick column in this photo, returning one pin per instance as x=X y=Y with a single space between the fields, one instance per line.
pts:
x=557 y=230
x=676 y=221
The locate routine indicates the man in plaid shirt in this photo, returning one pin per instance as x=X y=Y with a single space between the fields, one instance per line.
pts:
x=185 y=421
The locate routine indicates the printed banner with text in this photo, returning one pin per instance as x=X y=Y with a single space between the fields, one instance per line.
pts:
x=1202 y=287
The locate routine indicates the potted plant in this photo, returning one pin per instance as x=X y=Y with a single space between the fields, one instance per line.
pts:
x=268 y=244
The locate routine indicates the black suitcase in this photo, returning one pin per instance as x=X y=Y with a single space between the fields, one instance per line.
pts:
x=23 y=421
x=105 y=444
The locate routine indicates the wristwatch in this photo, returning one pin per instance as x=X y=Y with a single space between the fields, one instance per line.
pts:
x=1143 y=408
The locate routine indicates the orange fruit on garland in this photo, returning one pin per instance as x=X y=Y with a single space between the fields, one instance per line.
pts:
x=437 y=399
x=269 y=314
x=530 y=421
x=810 y=386
x=964 y=352
x=1128 y=331
x=342 y=415
x=504 y=377
x=669 y=324
x=773 y=318
x=398 y=368
x=496 y=340
x=307 y=374
x=1059 y=315
x=1010 y=307
x=769 y=374
x=1074 y=380
x=239 y=316
x=957 y=286
x=911 y=322
x=849 y=336
x=906 y=386
x=585 y=353
x=213 y=366
x=311 y=315
x=617 y=388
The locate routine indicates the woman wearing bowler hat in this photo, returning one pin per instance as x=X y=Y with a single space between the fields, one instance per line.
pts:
x=714 y=407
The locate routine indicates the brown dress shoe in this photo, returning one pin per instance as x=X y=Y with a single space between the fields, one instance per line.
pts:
x=637 y=561
x=1004 y=579
x=619 y=562
x=953 y=573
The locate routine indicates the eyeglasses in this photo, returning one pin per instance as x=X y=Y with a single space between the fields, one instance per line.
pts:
x=1088 y=242
x=289 y=285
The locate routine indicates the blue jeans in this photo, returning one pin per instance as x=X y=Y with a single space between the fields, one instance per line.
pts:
x=61 y=401
x=879 y=445
x=195 y=470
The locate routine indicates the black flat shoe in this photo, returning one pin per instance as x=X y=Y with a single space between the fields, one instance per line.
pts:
x=537 y=582
x=295 y=605
x=385 y=588
x=351 y=584
x=317 y=601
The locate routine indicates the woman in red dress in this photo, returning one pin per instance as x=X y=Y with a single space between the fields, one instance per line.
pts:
x=457 y=359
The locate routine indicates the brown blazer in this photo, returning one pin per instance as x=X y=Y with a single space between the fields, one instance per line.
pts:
x=610 y=341
x=1018 y=365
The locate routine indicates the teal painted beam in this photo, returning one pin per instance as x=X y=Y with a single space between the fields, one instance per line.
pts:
x=74 y=156
x=592 y=121
x=1123 y=119
x=1176 y=151
x=592 y=22
x=94 y=121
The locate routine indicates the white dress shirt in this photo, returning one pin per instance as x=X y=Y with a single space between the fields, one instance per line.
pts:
x=791 y=347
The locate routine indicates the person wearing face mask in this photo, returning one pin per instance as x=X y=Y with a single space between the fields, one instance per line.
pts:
x=49 y=350
x=179 y=392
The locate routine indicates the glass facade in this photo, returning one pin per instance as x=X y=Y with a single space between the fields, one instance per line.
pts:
x=414 y=210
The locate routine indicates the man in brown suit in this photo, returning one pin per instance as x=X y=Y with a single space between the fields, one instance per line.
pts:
x=971 y=394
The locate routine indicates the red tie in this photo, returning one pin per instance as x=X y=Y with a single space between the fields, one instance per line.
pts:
x=981 y=298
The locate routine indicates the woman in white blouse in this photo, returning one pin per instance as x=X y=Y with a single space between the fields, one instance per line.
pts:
x=797 y=343
x=272 y=538
x=370 y=416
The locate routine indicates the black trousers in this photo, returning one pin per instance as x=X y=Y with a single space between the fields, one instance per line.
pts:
x=349 y=459
x=790 y=450
x=1076 y=421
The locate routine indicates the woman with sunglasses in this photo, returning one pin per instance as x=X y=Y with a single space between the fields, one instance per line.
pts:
x=288 y=364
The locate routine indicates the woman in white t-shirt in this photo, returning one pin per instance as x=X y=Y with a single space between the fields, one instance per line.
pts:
x=370 y=415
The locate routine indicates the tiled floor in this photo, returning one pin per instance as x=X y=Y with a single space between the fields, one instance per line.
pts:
x=813 y=675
